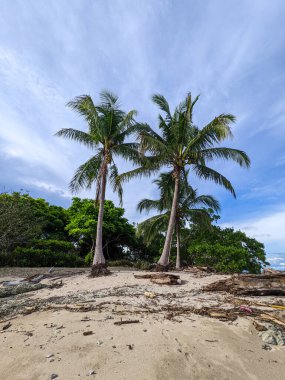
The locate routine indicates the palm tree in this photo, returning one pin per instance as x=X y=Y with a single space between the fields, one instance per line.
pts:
x=181 y=145
x=190 y=209
x=108 y=127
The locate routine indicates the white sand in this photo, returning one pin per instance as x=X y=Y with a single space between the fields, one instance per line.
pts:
x=185 y=347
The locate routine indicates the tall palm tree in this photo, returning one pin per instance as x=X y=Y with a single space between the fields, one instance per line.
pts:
x=190 y=208
x=181 y=145
x=108 y=127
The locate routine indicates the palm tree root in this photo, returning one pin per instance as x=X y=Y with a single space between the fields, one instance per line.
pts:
x=161 y=268
x=98 y=270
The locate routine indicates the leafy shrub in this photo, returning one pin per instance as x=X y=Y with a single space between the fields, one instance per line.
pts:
x=54 y=245
x=227 y=259
x=31 y=257
x=120 y=263
x=88 y=258
x=141 y=264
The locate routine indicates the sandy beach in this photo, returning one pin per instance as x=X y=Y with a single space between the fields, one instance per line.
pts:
x=70 y=332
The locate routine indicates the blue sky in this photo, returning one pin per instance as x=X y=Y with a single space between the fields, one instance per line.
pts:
x=230 y=52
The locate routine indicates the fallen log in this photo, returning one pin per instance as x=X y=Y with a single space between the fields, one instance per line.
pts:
x=161 y=278
x=156 y=275
x=272 y=284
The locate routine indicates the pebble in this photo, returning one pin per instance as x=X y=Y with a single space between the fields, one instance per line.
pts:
x=49 y=356
x=99 y=342
x=53 y=376
x=91 y=372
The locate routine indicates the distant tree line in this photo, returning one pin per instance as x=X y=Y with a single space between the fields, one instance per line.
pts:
x=35 y=233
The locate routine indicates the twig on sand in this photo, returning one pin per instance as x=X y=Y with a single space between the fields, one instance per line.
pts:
x=126 y=322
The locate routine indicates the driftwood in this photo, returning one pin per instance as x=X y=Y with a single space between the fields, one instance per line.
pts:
x=272 y=284
x=35 y=279
x=272 y=319
x=25 y=287
x=126 y=322
x=161 y=278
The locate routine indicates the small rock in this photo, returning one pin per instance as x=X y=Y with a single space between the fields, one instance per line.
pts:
x=131 y=346
x=49 y=356
x=53 y=376
x=85 y=333
x=99 y=343
x=91 y=372
x=150 y=294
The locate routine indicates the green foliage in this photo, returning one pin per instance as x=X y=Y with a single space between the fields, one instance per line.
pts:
x=119 y=235
x=19 y=221
x=32 y=257
x=54 y=245
x=143 y=265
x=226 y=250
x=191 y=208
x=120 y=263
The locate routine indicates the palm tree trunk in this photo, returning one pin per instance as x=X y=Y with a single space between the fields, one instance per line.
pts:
x=164 y=258
x=178 y=258
x=99 y=256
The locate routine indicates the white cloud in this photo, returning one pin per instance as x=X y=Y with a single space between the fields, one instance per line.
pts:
x=269 y=229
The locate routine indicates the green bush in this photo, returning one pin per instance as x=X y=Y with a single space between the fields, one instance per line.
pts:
x=88 y=258
x=5 y=259
x=54 y=245
x=227 y=259
x=141 y=264
x=120 y=263
x=31 y=257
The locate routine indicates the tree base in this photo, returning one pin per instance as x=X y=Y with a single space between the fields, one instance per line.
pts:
x=161 y=268
x=98 y=270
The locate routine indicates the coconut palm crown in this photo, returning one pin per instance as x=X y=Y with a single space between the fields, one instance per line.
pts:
x=107 y=129
x=179 y=145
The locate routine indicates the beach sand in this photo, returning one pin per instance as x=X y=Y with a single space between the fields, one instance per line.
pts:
x=161 y=346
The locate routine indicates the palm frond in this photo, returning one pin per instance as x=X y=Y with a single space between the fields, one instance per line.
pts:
x=150 y=228
x=162 y=103
x=115 y=183
x=235 y=155
x=214 y=132
x=207 y=173
x=148 y=205
x=78 y=136
x=85 y=107
x=87 y=173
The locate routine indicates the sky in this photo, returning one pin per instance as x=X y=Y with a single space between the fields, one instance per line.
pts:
x=232 y=53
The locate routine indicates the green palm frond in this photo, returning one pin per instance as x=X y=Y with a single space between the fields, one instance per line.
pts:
x=150 y=228
x=207 y=173
x=85 y=107
x=79 y=136
x=208 y=201
x=108 y=99
x=128 y=151
x=148 y=205
x=214 y=132
x=235 y=155
x=87 y=173
x=162 y=104
x=116 y=185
